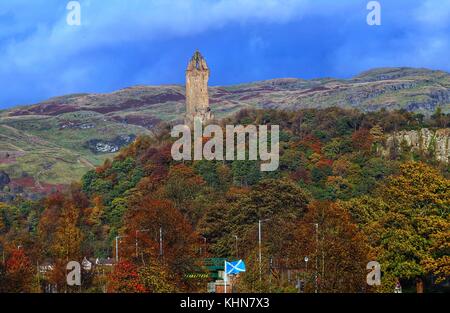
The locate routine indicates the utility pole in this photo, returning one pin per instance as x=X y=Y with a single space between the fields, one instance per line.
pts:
x=136 y=242
x=306 y=270
x=38 y=274
x=205 y=244
x=317 y=256
x=117 y=248
x=259 y=244
x=160 y=242
x=323 y=264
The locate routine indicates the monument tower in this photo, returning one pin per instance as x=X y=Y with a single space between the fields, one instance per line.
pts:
x=197 y=99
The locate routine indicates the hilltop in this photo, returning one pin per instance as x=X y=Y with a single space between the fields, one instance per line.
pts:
x=46 y=145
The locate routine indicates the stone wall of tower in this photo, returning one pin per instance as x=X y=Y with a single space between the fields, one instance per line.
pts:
x=197 y=99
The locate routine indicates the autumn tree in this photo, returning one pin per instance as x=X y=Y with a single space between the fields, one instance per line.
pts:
x=68 y=236
x=407 y=223
x=279 y=202
x=125 y=279
x=59 y=228
x=251 y=281
x=181 y=187
x=156 y=277
x=20 y=273
x=362 y=140
x=214 y=224
x=377 y=134
x=336 y=248
x=159 y=217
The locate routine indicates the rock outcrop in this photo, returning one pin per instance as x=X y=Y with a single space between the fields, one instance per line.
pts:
x=432 y=142
x=112 y=146
x=4 y=180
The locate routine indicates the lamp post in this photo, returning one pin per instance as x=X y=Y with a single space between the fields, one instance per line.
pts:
x=205 y=242
x=259 y=245
x=117 y=248
x=160 y=242
x=317 y=256
x=306 y=270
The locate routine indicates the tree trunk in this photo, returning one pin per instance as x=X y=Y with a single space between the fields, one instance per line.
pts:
x=419 y=285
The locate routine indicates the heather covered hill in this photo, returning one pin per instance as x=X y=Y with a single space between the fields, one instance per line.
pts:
x=50 y=143
x=390 y=88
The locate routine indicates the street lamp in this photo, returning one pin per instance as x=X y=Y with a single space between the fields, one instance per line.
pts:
x=205 y=242
x=117 y=247
x=160 y=242
x=306 y=270
x=317 y=256
x=259 y=244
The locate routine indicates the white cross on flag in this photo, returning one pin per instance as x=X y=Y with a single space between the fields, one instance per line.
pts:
x=235 y=267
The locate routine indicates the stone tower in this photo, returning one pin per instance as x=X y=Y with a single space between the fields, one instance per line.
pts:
x=197 y=99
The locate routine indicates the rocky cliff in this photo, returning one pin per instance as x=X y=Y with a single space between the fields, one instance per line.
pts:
x=4 y=179
x=432 y=142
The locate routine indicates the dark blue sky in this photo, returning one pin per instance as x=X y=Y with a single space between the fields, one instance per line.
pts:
x=121 y=43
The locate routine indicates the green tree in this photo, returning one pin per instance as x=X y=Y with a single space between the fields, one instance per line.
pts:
x=409 y=226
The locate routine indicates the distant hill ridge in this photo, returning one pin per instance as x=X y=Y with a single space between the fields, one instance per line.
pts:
x=391 y=88
x=59 y=139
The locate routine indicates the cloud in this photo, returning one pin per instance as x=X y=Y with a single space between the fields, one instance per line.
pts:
x=434 y=15
x=121 y=43
x=414 y=33
x=38 y=42
x=118 y=21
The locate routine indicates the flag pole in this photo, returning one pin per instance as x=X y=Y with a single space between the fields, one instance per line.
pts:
x=225 y=275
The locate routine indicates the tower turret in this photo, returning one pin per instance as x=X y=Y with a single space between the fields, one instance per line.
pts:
x=197 y=99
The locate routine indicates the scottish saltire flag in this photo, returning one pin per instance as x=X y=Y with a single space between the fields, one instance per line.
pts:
x=235 y=267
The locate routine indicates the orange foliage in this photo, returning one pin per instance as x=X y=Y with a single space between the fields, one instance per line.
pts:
x=180 y=242
x=313 y=143
x=19 y=272
x=125 y=279
x=362 y=140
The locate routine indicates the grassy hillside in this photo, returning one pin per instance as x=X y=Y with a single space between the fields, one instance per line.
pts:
x=56 y=141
